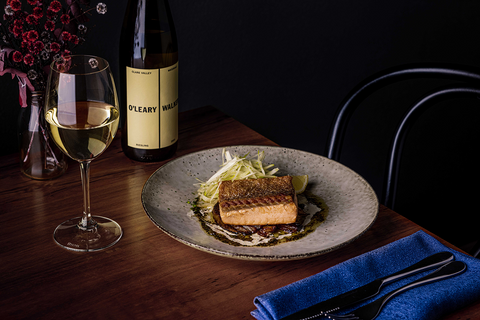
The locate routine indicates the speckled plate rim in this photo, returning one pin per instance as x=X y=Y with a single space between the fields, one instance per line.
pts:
x=237 y=252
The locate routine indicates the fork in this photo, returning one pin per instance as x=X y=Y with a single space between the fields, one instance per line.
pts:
x=370 y=311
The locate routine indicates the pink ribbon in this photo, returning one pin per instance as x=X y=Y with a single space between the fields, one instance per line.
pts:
x=23 y=81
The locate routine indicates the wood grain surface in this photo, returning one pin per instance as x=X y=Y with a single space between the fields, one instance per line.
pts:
x=147 y=275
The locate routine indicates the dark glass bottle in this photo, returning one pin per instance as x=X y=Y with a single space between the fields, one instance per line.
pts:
x=149 y=81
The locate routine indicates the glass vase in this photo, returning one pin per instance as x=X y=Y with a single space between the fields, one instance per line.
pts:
x=40 y=158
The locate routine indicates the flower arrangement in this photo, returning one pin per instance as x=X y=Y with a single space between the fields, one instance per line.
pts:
x=33 y=33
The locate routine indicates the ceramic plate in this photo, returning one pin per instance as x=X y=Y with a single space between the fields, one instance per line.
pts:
x=353 y=205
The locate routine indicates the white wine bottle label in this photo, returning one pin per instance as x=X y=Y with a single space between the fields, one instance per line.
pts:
x=152 y=107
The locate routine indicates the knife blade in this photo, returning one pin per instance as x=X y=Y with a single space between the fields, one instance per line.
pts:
x=371 y=289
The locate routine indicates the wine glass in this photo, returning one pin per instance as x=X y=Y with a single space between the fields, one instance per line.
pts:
x=82 y=113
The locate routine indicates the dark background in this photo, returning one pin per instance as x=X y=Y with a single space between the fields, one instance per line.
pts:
x=283 y=67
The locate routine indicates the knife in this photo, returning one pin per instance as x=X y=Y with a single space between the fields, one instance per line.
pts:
x=371 y=289
x=371 y=310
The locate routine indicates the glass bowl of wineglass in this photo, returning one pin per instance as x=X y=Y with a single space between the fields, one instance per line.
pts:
x=82 y=114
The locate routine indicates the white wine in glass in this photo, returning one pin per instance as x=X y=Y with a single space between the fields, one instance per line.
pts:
x=82 y=113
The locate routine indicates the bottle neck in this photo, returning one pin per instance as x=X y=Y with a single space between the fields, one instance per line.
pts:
x=35 y=98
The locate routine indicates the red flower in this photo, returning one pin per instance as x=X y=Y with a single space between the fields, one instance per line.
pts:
x=28 y=59
x=15 y=5
x=54 y=47
x=17 y=31
x=66 y=35
x=6 y=17
x=17 y=56
x=32 y=2
x=38 y=12
x=51 y=14
x=74 y=39
x=65 y=19
x=18 y=23
x=32 y=20
x=25 y=45
x=38 y=46
x=55 y=6
x=49 y=25
x=32 y=35
x=20 y=14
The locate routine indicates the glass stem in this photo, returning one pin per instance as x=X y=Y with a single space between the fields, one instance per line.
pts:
x=87 y=222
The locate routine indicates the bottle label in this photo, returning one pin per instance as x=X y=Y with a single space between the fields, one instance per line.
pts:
x=152 y=107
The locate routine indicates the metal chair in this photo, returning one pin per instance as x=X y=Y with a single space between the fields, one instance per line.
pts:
x=469 y=87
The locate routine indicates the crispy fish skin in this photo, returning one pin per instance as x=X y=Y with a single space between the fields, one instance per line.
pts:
x=258 y=201
x=238 y=204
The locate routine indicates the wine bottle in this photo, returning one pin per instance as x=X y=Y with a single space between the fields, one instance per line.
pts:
x=149 y=81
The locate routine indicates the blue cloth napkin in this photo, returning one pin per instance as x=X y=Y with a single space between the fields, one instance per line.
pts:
x=427 y=302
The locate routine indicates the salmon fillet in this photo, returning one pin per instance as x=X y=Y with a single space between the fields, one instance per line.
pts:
x=258 y=201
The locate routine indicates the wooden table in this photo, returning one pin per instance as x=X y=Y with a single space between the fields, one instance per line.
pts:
x=147 y=275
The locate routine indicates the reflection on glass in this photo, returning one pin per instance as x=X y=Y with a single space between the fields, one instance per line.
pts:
x=82 y=115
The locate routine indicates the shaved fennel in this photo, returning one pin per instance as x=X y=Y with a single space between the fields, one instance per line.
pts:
x=233 y=168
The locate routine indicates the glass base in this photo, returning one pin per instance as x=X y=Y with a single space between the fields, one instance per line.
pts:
x=103 y=234
x=43 y=171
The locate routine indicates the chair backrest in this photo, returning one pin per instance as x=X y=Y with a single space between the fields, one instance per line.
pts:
x=470 y=87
